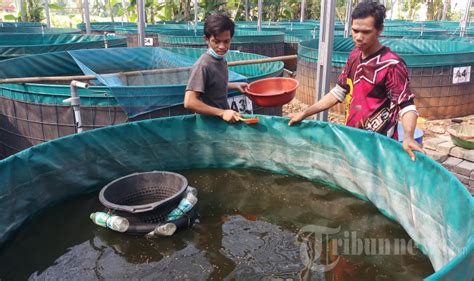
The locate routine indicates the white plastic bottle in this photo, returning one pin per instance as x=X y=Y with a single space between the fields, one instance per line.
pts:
x=166 y=229
x=192 y=190
x=110 y=221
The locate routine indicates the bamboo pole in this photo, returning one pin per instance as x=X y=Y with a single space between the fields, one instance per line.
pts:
x=135 y=73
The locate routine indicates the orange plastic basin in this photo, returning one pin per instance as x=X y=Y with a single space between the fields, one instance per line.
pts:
x=275 y=91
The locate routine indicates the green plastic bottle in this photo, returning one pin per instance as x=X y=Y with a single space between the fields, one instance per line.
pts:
x=110 y=221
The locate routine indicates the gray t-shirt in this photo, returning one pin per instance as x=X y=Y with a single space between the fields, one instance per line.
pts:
x=209 y=76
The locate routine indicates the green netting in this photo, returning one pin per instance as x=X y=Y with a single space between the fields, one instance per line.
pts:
x=15 y=45
x=416 y=53
x=48 y=39
x=297 y=36
x=22 y=24
x=430 y=203
x=467 y=32
x=190 y=37
x=106 y=26
x=41 y=30
x=263 y=28
x=399 y=33
x=160 y=28
x=104 y=61
x=440 y=37
x=155 y=29
x=144 y=92
x=299 y=25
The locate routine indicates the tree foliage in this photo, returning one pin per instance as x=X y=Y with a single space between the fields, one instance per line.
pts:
x=239 y=10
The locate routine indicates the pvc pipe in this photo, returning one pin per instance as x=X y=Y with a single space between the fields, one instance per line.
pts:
x=195 y=15
x=141 y=22
x=465 y=18
x=259 y=20
x=22 y=10
x=246 y=10
x=326 y=42
x=348 y=25
x=46 y=11
x=303 y=4
x=106 y=42
x=76 y=102
x=86 y=16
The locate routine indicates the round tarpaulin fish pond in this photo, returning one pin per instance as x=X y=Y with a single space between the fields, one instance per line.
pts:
x=22 y=24
x=41 y=30
x=101 y=27
x=425 y=199
x=33 y=113
x=253 y=225
x=15 y=45
x=267 y=43
x=151 y=33
x=443 y=87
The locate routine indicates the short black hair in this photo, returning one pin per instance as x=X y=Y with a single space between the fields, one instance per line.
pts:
x=374 y=9
x=216 y=24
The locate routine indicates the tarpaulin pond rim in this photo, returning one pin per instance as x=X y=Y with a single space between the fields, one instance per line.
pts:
x=103 y=61
x=430 y=203
x=20 y=44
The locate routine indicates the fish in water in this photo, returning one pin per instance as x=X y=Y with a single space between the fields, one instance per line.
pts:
x=245 y=215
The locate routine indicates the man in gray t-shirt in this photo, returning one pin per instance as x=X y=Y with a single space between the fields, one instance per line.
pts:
x=206 y=92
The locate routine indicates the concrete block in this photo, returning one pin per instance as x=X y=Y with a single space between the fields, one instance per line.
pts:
x=451 y=162
x=469 y=155
x=437 y=129
x=461 y=178
x=437 y=156
x=457 y=152
x=445 y=147
x=464 y=168
x=432 y=143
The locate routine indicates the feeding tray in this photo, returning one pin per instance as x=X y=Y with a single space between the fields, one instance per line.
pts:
x=145 y=200
x=144 y=192
x=462 y=135
x=274 y=91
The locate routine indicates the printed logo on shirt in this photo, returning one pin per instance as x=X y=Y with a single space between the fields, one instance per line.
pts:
x=378 y=120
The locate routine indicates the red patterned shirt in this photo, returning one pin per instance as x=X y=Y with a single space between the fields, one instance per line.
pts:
x=376 y=90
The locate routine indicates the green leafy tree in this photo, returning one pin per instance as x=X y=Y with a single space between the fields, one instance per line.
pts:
x=34 y=11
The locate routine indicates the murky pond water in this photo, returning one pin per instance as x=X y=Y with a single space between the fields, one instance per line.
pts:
x=254 y=225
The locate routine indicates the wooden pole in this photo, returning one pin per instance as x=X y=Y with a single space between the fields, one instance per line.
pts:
x=135 y=73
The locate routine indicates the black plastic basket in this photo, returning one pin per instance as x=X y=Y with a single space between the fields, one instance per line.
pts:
x=144 y=192
x=146 y=199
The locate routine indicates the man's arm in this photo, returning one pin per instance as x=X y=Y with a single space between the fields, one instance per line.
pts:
x=239 y=86
x=398 y=85
x=193 y=102
x=337 y=94
x=409 y=142
x=325 y=103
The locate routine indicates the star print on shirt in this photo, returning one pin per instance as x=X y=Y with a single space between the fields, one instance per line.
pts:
x=376 y=65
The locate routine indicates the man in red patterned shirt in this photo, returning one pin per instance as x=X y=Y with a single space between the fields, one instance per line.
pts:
x=374 y=83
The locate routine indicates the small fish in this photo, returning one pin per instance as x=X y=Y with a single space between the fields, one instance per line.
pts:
x=247 y=216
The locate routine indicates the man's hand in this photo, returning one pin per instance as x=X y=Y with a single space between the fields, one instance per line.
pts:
x=410 y=144
x=296 y=118
x=230 y=116
x=240 y=86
